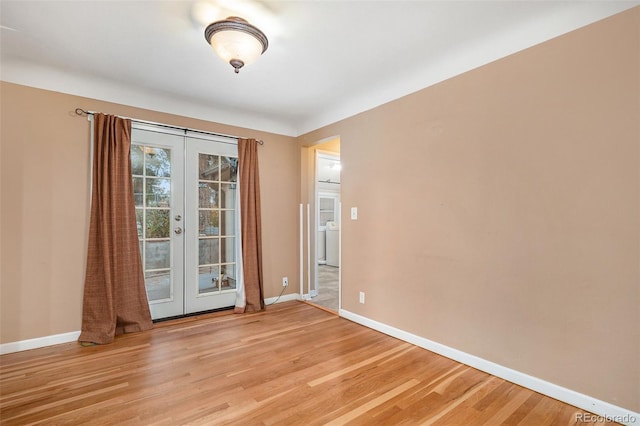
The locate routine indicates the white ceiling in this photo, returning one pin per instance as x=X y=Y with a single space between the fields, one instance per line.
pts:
x=327 y=60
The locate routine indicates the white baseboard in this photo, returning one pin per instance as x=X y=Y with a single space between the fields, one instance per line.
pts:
x=39 y=342
x=603 y=409
x=283 y=298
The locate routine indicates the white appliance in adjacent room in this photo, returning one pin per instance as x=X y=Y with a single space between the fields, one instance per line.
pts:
x=333 y=244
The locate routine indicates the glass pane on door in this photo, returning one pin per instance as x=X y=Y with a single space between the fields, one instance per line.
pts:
x=208 y=279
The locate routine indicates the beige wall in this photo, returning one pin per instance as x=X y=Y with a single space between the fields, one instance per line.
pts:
x=499 y=211
x=45 y=206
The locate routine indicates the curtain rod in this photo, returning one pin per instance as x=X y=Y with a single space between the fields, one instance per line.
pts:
x=80 y=111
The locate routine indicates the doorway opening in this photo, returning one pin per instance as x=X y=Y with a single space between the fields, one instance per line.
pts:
x=325 y=290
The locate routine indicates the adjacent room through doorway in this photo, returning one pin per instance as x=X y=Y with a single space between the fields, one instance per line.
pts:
x=327 y=227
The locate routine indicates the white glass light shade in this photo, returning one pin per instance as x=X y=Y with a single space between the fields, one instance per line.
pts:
x=236 y=41
x=236 y=45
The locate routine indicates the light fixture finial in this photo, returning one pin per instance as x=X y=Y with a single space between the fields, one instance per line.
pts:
x=236 y=64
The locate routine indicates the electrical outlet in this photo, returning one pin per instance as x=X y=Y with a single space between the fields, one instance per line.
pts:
x=285 y=281
x=362 y=297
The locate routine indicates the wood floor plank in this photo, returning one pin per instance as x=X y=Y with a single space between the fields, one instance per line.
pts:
x=373 y=403
x=293 y=364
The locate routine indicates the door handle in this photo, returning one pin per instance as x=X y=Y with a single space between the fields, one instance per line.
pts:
x=178 y=230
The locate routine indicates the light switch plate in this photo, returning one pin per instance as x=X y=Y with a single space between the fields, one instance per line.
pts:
x=354 y=213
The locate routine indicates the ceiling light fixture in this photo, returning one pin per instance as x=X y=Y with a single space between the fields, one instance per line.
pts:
x=236 y=41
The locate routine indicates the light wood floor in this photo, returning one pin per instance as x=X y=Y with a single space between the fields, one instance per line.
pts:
x=292 y=365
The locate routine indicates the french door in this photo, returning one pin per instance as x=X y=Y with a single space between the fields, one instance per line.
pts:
x=187 y=208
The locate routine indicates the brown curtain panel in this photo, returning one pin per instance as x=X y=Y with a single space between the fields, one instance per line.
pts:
x=251 y=225
x=115 y=299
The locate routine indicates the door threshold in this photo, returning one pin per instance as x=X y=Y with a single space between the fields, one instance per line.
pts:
x=193 y=314
x=324 y=308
